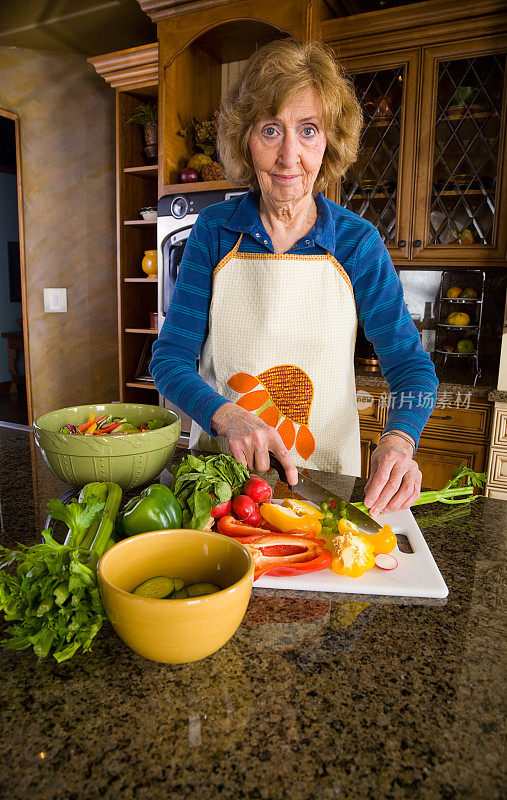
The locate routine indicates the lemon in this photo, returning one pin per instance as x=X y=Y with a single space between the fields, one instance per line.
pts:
x=454 y=291
x=469 y=292
x=458 y=318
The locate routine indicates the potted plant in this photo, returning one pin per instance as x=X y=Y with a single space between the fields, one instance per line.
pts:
x=145 y=116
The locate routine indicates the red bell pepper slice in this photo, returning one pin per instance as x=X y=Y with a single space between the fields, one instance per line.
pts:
x=107 y=428
x=230 y=526
x=285 y=554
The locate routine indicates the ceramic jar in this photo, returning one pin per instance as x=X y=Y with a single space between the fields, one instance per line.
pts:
x=149 y=263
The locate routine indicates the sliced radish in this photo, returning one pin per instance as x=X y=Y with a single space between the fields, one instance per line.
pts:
x=386 y=561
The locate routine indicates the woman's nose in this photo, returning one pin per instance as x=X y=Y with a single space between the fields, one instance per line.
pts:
x=289 y=149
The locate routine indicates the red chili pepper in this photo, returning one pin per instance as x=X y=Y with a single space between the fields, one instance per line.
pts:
x=285 y=554
x=332 y=504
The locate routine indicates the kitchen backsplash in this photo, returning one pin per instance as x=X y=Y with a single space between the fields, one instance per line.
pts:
x=422 y=296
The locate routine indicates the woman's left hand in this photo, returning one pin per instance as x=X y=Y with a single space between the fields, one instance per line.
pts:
x=395 y=478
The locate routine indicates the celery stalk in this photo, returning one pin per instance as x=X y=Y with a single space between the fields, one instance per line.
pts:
x=458 y=489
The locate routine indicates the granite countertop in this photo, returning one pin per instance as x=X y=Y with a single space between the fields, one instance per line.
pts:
x=336 y=697
x=486 y=388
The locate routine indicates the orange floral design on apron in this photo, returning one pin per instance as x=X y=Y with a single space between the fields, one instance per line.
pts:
x=281 y=334
x=283 y=403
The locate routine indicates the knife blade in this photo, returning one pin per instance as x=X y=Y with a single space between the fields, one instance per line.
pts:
x=312 y=491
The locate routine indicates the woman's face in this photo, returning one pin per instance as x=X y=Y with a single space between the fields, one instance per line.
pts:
x=287 y=150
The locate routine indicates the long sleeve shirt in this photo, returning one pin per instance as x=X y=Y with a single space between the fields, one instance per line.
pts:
x=378 y=295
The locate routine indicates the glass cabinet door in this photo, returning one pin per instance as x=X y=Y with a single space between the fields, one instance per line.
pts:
x=378 y=186
x=461 y=149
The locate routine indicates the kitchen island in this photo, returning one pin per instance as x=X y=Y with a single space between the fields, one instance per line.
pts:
x=336 y=697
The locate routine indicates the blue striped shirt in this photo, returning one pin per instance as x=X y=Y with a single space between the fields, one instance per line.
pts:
x=381 y=310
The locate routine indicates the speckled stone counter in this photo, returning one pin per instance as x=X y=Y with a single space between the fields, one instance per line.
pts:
x=483 y=389
x=335 y=697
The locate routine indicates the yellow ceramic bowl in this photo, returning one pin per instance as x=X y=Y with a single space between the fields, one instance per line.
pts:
x=131 y=460
x=176 y=631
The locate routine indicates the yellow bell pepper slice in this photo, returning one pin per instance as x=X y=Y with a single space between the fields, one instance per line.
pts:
x=301 y=508
x=285 y=519
x=383 y=542
x=352 y=554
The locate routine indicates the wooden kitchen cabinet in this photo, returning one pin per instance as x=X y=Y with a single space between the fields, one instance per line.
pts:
x=431 y=174
x=196 y=39
x=497 y=462
x=456 y=433
x=133 y=74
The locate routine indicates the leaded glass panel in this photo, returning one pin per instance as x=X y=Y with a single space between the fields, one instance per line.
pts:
x=466 y=150
x=370 y=188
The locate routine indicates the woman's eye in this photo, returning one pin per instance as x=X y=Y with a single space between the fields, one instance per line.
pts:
x=309 y=131
x=270 y=131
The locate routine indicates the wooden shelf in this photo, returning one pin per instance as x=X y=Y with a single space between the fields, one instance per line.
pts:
x=146 y=171
x=139 y=222
x=199 y=186
x=141 y=385
x=372 y=195
x=142 y=330
x=459 y=192
x=153 y=281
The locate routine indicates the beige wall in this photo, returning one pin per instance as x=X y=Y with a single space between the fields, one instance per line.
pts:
x=67 y=160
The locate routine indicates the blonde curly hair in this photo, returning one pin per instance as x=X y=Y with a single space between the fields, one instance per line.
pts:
x=272 y=77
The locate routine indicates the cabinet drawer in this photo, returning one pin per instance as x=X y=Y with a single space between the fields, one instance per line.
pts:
x=438 y=459
x=498 y=494
x=371 y=406
x=460 y=423
x=368 y=438
x=497 y=467
x=499 y=429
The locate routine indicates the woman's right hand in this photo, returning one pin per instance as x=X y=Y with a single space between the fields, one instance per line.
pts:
x=251 y=440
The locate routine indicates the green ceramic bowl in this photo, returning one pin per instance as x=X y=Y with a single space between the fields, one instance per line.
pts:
x=130 y=460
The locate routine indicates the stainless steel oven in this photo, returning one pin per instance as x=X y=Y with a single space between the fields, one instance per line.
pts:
x=176 y=216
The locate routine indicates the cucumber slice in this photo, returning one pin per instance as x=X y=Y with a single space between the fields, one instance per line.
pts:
x=197 y=589
x=156 y=588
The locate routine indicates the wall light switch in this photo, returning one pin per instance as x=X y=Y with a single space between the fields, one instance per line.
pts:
x=55 y=300
x=428 y=338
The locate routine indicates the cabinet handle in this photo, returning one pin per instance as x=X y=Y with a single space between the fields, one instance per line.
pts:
x=402 y=243
x=433 y=416
x=417 y=243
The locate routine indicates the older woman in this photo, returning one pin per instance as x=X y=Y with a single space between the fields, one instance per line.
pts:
x=272 y=285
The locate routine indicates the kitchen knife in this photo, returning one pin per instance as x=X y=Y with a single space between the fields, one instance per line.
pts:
x=312 y=491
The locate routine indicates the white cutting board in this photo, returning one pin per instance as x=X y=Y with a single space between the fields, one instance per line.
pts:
x=416 y=575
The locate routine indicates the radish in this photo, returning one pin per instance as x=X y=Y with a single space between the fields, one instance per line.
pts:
x=386 y=561
x=246 y=510
x=221 y=509
x=259 y=490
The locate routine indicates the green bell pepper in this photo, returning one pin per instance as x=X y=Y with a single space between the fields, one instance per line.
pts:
x=155 y=509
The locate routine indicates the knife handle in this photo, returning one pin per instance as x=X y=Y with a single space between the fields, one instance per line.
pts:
x=277 y=466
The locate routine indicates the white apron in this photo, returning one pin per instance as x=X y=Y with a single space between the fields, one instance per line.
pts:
x=281 y=341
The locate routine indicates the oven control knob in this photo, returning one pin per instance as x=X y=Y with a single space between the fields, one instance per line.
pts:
x=179 y=207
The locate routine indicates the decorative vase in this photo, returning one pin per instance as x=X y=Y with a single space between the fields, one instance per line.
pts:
x=151 y=141
x=149 y=263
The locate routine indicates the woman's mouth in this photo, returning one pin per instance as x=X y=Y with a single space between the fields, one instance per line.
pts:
x=285 y=178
